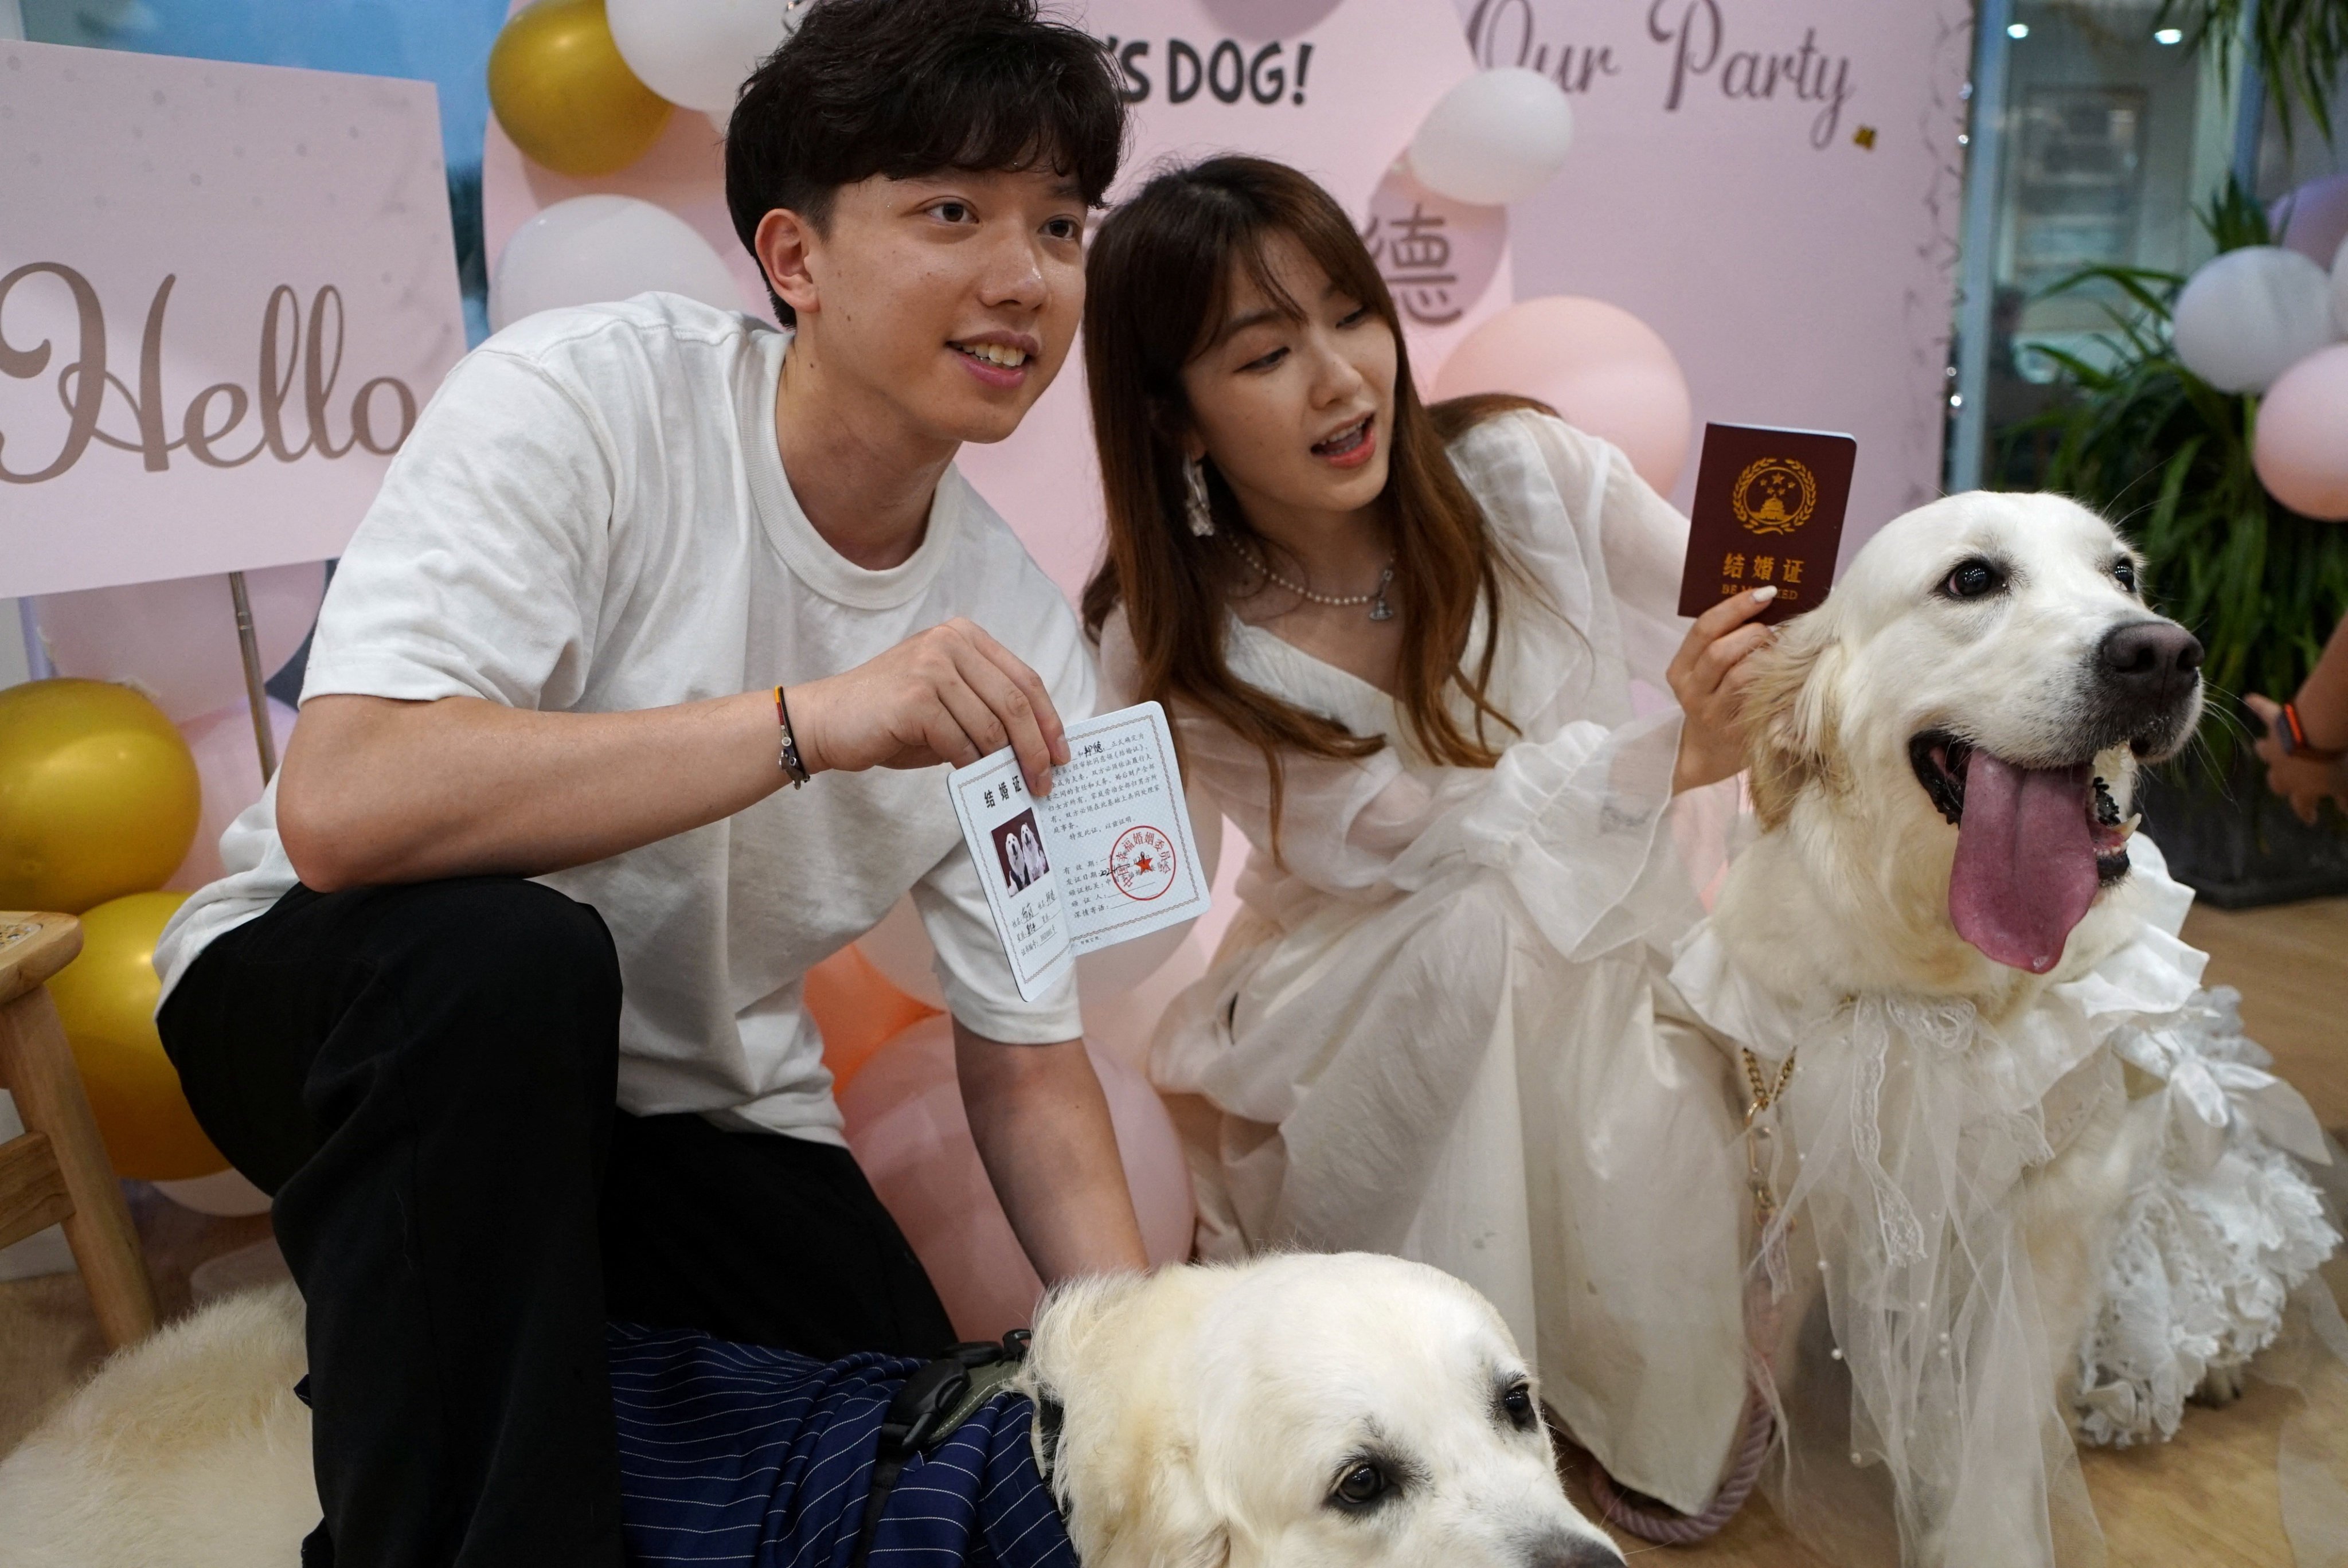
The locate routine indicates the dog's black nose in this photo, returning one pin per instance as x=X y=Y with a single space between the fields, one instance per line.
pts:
x=2153 y=661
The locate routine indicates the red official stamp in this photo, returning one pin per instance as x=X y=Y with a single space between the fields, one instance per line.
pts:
x=1142 y=863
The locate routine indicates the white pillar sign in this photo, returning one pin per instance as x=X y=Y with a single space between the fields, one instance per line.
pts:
x=225 y=294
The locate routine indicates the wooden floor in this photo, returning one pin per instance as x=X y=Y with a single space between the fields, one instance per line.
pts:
x=2208 y=1500
x=48 y=1336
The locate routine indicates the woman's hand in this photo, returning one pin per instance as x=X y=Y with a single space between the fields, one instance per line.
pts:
x=2302 y=781
x=1708 y=676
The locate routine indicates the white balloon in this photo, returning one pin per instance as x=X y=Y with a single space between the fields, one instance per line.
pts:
x=698 y=53
x=1497 y=137
x=2340 y=288
x=592 y=249
x=2250 y=315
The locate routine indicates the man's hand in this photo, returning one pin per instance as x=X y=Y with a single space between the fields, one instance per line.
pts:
x=951 y=694
x=1708 y=676
x=2303 y=781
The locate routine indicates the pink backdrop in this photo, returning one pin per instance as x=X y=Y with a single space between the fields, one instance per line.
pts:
x=1786 y=221
x=1771 y=184
x=266 y=284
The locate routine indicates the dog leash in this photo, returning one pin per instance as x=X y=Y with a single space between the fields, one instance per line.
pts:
x=940 y=1396
x=1656 y=1522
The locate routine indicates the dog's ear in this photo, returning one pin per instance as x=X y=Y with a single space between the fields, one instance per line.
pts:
x=1791 y=713
x=1120 y=1451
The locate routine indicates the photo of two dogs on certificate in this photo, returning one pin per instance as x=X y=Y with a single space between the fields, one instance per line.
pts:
x=1990 y=1174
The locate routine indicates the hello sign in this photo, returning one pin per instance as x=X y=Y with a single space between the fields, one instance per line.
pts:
x=225 y=294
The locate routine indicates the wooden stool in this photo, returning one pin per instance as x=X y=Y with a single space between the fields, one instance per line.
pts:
x=58 y=1171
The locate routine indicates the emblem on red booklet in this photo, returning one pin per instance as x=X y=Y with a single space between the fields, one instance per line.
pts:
x=1775 y=495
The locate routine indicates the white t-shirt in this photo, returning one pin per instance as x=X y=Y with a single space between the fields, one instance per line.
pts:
x=592 y=516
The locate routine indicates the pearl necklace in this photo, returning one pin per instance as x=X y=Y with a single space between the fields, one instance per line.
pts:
x=1376 y=599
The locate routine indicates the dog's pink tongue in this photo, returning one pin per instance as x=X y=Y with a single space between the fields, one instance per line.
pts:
x=2025 y=871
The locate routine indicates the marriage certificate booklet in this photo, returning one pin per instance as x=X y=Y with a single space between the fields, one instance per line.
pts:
x=1768 y=511
x=1106 y=857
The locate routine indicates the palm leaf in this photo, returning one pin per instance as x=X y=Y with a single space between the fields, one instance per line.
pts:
x=2298 y=46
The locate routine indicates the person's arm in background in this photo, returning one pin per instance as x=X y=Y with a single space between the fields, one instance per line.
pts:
x=2323 y=706
x=1043 y=1131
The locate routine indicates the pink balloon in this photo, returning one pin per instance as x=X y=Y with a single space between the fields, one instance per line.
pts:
x=229 y=766
x=176 y=639
x=2314 y=219
x=1602 y=368
x=2301 y=451
x=906 y=1126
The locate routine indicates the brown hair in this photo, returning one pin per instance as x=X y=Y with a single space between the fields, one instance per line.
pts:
x=904 y=88
x=1158 y=282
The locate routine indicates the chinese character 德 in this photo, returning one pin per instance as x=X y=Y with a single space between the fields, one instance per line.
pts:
x=1411 y=259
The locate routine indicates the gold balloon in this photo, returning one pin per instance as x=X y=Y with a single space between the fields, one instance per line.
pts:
x=565 y=96
x=107 y=998
x=99 y=794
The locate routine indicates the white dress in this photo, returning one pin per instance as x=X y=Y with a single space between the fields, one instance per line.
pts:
x=1431 y=1030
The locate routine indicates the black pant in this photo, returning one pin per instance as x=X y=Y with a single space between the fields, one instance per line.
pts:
x=424 y=1078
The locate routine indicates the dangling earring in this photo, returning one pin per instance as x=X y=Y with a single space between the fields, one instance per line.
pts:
x=1197 y=507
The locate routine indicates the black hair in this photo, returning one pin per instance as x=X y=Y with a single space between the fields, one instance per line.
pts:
x=903 y=87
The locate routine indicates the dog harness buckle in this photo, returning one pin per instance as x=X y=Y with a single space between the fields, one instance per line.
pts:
x=942 y=1394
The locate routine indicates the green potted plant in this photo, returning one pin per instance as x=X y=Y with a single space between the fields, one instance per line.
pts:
x=2298 y=47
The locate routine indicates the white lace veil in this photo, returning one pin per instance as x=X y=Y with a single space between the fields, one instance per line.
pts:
x=1918 y=1355
x=1907 y=1339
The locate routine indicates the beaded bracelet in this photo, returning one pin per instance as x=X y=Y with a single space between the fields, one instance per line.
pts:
x=790 y=761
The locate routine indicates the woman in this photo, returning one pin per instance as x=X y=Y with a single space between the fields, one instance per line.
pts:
x=1404 y=668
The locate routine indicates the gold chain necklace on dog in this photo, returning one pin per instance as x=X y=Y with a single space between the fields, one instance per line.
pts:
x=1376 y=598
x=1758 y=1135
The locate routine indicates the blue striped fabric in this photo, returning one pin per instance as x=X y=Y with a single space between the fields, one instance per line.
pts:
x=734 y=1454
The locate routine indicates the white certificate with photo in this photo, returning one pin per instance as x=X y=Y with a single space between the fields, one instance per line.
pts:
x=1106 y=857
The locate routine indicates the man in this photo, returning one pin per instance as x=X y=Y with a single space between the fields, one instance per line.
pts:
x=552 y=653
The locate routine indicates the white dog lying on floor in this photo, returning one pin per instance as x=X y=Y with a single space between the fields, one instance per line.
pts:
x=1292 y=1412
x=2029 y=1174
